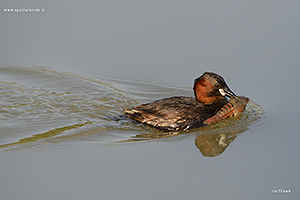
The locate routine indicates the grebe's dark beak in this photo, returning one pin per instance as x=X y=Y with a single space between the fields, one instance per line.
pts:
x=227 y=92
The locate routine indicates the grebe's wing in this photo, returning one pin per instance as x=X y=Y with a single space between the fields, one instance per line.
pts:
x=174 y=113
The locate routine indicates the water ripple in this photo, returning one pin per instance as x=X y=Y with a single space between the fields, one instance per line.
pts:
x=43 y=106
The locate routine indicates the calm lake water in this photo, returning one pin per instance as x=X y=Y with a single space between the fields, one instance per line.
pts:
x=68 y=72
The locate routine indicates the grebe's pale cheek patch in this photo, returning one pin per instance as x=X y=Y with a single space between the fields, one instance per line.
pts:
x=222 y=92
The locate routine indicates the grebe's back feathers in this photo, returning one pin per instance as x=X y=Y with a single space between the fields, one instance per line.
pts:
x=174 y=113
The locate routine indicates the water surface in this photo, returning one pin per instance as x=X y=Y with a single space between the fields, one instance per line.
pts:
x=41 y=106
x=67 y=72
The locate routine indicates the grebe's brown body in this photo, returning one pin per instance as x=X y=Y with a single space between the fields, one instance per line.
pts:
x=181 y=113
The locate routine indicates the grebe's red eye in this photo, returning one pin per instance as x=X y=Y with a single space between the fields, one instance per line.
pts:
x=217 y=85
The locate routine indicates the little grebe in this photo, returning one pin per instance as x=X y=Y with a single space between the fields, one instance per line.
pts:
x=182 y=113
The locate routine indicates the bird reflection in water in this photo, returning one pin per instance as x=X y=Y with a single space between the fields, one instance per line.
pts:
x=212 y=145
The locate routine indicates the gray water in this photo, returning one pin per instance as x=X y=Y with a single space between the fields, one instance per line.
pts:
x=66 y=73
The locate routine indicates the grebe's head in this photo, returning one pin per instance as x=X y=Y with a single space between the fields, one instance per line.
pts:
x=210 y=87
